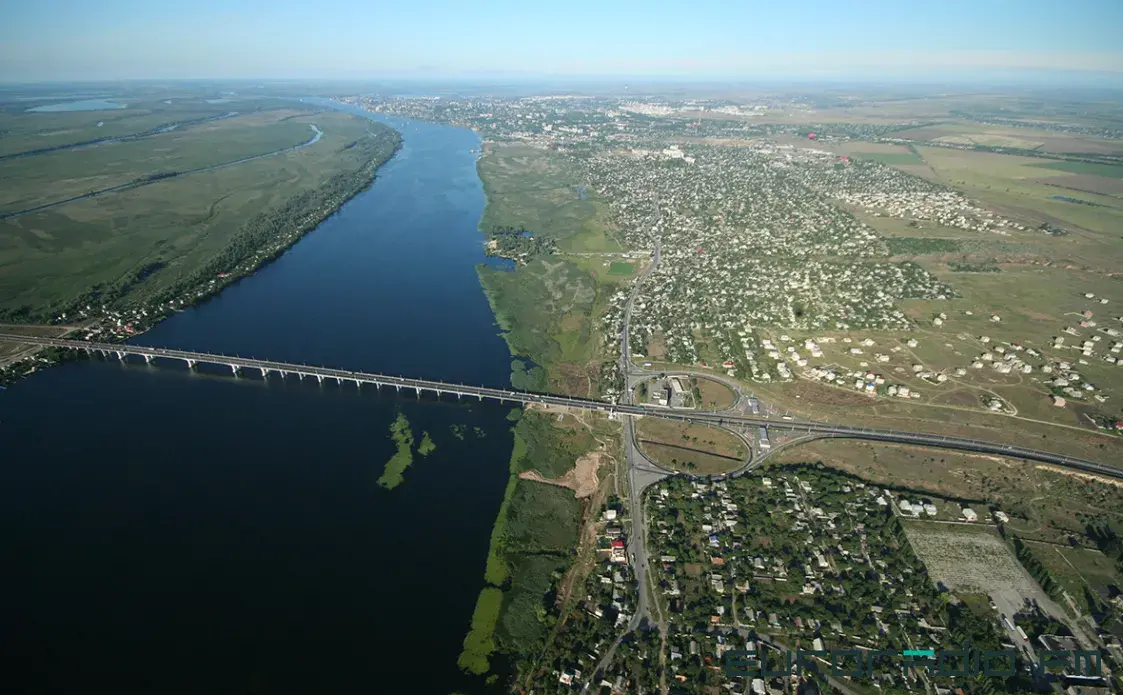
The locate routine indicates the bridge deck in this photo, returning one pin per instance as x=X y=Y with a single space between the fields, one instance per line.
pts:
x=441 y=387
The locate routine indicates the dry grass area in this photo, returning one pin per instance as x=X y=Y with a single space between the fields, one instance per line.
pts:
x=715 y=395
x=700 y=449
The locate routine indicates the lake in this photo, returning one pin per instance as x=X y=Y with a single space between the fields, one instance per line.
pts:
x=174 y=531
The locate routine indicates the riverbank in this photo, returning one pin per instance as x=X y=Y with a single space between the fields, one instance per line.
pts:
x=258 y=241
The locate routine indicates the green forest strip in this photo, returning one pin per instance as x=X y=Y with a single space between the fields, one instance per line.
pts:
x=400 y=432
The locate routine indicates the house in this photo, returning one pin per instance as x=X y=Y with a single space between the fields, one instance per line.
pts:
x=609 y=514
x=970 y=514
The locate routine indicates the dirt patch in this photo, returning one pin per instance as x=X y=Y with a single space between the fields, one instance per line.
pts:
x=582 y=478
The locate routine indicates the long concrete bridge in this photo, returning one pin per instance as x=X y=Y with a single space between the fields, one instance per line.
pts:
x=822 y=429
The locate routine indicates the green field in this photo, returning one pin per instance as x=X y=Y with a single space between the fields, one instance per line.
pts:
x=890 y=158
x=161 y=239
x=1109 y=170
x=905 y=246
x=622 y=268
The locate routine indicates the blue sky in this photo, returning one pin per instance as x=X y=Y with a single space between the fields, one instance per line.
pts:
x=111 y=39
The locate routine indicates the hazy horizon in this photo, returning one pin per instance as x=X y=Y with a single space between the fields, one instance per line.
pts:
x=974 y=42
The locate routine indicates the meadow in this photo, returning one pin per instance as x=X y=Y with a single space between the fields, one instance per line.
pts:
x=154 y=237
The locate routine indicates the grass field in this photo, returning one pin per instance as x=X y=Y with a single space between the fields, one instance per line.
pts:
x=622 y=268
x=698 y=449
x=890 y=157
x=176 y=225
x=1115 y=172
x=1079 y=571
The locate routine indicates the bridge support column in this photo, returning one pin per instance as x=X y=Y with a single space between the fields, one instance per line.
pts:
x=148 y=359
x=234 y=368
x=120 y=355
x=264 y=372
x=190 y=364
x=320 y=377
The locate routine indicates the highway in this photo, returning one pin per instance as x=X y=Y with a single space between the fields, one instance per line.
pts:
x=237 y=363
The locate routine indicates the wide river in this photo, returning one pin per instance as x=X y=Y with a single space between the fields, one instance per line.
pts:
x=170 y=531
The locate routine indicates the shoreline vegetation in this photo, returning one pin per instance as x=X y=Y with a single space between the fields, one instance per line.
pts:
x=394 y=473
x=534 y=544
x=257 y=242
x=545 y=307
x=539 y=216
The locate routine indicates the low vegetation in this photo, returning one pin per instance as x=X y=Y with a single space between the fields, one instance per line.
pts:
x=532 y=542
x=393 y=474
x=178 y=237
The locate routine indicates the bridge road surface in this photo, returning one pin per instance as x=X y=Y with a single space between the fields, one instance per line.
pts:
x=713 y=418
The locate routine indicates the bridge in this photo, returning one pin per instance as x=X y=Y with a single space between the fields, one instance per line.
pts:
x=440 y=388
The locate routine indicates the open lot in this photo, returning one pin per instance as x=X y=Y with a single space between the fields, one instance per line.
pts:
x=973 y=559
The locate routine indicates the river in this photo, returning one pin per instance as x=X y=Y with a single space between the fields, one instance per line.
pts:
x=171 y=531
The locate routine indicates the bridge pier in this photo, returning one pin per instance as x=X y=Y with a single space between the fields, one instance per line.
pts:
x=320 y=377
x=234 y=368
x=148 y=359
x=121 y=355
x=264 y=372
x=190 y=363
